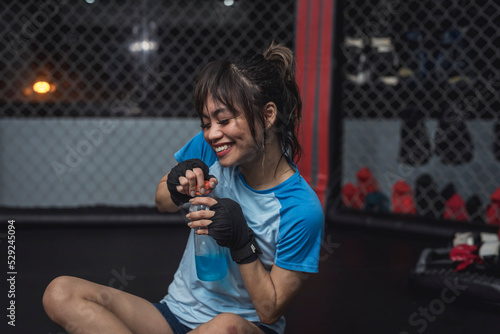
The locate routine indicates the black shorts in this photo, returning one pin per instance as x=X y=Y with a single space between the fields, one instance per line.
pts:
x=178 y=328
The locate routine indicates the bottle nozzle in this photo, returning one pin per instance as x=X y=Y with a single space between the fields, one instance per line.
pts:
x=207 y=188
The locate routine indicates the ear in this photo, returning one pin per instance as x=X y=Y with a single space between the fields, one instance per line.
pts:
x=270 y=114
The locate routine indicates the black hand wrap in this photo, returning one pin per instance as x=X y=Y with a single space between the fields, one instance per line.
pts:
x=229 y=228
x=180 y=170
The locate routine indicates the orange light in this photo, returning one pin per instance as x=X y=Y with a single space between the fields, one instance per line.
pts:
x=41 y=87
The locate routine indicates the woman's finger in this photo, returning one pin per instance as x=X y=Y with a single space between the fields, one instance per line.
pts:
x=202 y=223
x=201 y=231
x=213 y=182
x=200 y=179
x=184 y=184
x=191 y=186
x=198 y=215
x=203 y=200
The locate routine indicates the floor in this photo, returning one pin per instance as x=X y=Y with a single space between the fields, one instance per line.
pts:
x=362 y=286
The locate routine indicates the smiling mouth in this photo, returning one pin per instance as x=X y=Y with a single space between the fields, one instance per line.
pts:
x=222 y=148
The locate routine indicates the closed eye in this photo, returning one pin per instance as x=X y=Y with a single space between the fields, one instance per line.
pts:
x=224 y=121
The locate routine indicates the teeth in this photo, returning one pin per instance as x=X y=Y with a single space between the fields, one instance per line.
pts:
x=222 y=148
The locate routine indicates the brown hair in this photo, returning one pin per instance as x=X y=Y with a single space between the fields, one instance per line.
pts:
x=252 y=81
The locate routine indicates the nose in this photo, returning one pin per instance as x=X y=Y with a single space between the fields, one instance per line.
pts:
x=214 y=133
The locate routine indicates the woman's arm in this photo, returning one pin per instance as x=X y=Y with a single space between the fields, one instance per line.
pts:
x=188 y=176
x=163 y=200
x=271 y=293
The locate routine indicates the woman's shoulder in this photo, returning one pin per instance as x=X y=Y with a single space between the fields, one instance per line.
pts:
x=297 y=198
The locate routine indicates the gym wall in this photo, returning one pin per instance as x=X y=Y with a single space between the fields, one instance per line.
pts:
x=416 y=113
x=115 y=82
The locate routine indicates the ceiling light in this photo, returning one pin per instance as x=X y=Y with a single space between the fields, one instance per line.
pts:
x=41 y=87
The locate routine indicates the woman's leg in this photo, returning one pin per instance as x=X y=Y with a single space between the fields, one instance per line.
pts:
x=227 y=323
x=80 y=306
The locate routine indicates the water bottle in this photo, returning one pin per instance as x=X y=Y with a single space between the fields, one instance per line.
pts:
x=210 y=259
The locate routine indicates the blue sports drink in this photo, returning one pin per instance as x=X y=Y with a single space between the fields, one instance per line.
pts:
x=210 y=258
x=211 y=267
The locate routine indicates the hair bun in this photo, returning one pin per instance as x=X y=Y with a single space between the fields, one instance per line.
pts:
x=281 y=57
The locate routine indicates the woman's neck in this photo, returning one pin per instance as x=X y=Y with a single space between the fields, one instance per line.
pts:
x=268 y=170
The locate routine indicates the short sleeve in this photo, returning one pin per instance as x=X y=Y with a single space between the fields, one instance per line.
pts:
x=300 y=238
x=197 y=148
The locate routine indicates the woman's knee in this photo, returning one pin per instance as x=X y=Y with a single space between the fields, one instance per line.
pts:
x=57 y=295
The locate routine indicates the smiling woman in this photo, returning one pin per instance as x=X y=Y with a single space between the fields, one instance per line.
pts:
x=260 y=89
x=263 y=214
x=229 y=133
x=262 y=210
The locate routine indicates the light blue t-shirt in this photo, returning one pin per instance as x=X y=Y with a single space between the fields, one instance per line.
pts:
x=287 y=221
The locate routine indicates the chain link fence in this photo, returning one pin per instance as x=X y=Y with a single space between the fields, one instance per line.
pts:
x=96 y=96
x=421 y=131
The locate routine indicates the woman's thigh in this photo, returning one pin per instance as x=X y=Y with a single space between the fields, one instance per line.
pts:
x=84 y=303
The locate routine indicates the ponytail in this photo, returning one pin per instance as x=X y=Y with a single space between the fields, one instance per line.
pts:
x=282 y=58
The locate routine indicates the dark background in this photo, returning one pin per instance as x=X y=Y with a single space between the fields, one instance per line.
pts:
x=362 y=287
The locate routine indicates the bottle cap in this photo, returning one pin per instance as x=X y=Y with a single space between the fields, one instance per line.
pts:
x=207 y=189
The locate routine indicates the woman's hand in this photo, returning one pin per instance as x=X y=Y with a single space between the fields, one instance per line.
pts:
x=200 y=220
x=185 y=177
x=226 y=224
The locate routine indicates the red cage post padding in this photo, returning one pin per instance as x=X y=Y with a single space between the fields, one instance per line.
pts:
x=314 y=39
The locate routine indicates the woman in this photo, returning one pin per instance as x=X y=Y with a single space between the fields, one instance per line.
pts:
x=262 y=211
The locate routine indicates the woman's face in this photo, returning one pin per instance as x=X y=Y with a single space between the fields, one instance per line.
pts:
x=229 y=135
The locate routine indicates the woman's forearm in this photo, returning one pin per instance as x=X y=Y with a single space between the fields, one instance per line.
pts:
x=261 y=289
x=271 y=293
x=162 y=197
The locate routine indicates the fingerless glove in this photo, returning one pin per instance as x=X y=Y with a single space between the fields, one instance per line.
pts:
x=180 y=170
x=229 y=228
